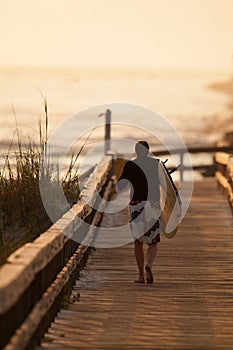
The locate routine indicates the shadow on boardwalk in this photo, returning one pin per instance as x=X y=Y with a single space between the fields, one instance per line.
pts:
x=190 y=305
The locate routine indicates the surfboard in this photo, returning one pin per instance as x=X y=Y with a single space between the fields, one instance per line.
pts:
x=170 y=203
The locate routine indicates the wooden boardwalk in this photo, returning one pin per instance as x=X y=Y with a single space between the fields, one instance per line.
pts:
x=190 y=305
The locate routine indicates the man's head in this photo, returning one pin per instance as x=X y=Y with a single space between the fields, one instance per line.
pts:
x=142 y=148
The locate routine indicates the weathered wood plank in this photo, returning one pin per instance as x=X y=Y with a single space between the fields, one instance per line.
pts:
x=24 y=333
x=189 y=306
x=28 y=279
x=224 y=174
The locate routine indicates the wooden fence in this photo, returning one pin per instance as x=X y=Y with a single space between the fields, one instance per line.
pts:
x=224 y=174
x=205 y=169
x=35 y=277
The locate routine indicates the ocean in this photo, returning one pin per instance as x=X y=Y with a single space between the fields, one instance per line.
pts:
x=182 y=97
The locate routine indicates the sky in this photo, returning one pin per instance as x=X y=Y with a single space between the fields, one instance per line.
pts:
x=180 y=34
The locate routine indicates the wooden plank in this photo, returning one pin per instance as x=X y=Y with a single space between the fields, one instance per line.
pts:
x=35 y=267
x=221 y=158
x=189 y=306
x=29 y=326
x=23 y=265
x=224 y=174
x=197 y=149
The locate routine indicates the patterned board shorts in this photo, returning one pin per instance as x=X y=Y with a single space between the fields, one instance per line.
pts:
x=145 y=221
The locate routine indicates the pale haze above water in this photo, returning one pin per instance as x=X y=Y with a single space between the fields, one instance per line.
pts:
x=181 y=97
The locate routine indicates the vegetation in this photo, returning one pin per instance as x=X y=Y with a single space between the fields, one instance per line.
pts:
x=23 y=216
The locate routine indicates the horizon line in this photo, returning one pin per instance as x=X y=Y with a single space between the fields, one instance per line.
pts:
x=116 y=68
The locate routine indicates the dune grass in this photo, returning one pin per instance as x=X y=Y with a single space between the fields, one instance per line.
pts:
x=23 y=216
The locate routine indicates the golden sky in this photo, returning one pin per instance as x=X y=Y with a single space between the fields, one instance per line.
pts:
x=188 y=34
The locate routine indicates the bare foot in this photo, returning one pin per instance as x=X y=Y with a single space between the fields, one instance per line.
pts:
x=149 y=275
x=140 y=280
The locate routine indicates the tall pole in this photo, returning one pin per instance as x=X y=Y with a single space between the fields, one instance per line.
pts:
x=107 y=136
x=107 y=130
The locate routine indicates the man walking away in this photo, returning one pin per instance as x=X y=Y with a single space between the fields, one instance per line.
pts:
x=144 y=176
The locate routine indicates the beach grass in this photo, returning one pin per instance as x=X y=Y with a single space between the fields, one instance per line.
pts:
x=23 y=216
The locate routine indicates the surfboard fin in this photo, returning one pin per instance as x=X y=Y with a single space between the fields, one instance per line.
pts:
x=174 y=169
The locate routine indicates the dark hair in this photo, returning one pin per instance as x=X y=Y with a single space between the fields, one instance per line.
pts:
x=142 y=147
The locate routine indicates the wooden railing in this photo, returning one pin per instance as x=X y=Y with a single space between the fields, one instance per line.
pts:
x=224 y=174
x=208 y=169
x=36 y=276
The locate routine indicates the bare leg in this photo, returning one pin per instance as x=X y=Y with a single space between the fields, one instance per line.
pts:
x=151 y=254
x=139 y=256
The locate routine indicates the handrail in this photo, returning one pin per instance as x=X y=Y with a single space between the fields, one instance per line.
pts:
x=33 y=279
x=195 y=150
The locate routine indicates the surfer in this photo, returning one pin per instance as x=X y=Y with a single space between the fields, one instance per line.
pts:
x=143 y=174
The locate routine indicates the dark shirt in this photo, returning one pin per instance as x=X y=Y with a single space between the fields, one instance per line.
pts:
x=142 y=173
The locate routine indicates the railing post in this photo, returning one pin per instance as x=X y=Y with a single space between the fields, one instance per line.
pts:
x=107 y=136
x=181 y=166
x=107 y=130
